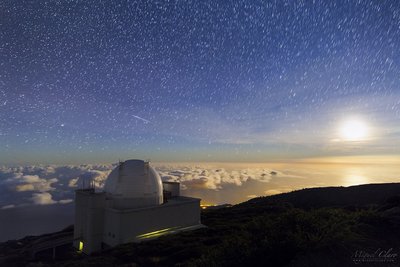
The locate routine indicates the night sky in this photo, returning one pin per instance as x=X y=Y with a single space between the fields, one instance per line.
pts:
x=98 y=81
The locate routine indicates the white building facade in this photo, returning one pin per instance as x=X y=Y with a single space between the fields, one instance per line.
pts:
x=134 y=206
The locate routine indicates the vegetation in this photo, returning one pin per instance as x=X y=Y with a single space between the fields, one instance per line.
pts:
x=302 y=228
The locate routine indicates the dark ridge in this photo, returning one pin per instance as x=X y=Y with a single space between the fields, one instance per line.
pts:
x=359 y=195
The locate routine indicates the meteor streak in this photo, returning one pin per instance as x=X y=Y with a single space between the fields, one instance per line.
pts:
x=137 y=117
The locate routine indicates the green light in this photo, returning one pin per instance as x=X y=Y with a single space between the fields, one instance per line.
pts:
x=157 y=233
x=80 y=245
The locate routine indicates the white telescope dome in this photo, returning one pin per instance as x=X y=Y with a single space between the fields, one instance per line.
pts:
x=134 y=183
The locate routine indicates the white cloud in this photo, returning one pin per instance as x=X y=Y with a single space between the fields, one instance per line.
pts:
x=73 y=182
x=98 y=177
x=41 y=185
x=22 y=185
x=65 y=201
x=212 y=178
x=273 y=192
x=33 y=183
x=8 y=207
x=43 y=199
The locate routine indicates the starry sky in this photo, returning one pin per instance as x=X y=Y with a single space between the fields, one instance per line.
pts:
x=98 y=81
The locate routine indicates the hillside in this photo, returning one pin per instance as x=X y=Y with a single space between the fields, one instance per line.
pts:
x=335 y=226
x=360 y=195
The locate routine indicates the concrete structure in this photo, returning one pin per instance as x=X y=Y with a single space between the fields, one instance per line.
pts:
x=135 y=205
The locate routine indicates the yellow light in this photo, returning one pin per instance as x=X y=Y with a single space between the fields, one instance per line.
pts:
x=156 y=233
x=205 y=206
x=80 y=245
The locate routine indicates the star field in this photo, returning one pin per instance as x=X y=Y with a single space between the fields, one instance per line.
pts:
x=196 y=80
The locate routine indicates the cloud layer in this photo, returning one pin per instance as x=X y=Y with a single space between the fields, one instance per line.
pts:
x=212 y=178
x=45 y=185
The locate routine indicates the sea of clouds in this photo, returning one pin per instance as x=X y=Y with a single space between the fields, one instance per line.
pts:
x=39 y=199
x=46 y=185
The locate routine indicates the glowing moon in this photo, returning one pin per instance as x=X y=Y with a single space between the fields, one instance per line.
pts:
x=354 y=130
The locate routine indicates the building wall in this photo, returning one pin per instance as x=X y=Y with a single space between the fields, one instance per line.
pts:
x=112 y=227
x=97 y=222
x=172 y=187
x=89 y=217
x=122 y=226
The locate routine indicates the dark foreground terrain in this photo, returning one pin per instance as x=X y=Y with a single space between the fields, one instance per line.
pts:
x=336 y=226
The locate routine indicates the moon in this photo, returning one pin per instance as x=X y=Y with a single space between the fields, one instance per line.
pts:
x=354 y=130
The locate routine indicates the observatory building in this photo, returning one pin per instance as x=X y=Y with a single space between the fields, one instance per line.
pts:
x=134 y=206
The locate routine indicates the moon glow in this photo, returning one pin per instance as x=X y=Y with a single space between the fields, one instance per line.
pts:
x=354 y=130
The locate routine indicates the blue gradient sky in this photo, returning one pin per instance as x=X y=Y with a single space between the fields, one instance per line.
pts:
x=94 y=81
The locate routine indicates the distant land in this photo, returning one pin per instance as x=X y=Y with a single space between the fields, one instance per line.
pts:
x=328 y=226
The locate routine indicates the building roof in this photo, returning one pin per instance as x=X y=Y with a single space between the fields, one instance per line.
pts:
x=137 y=181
